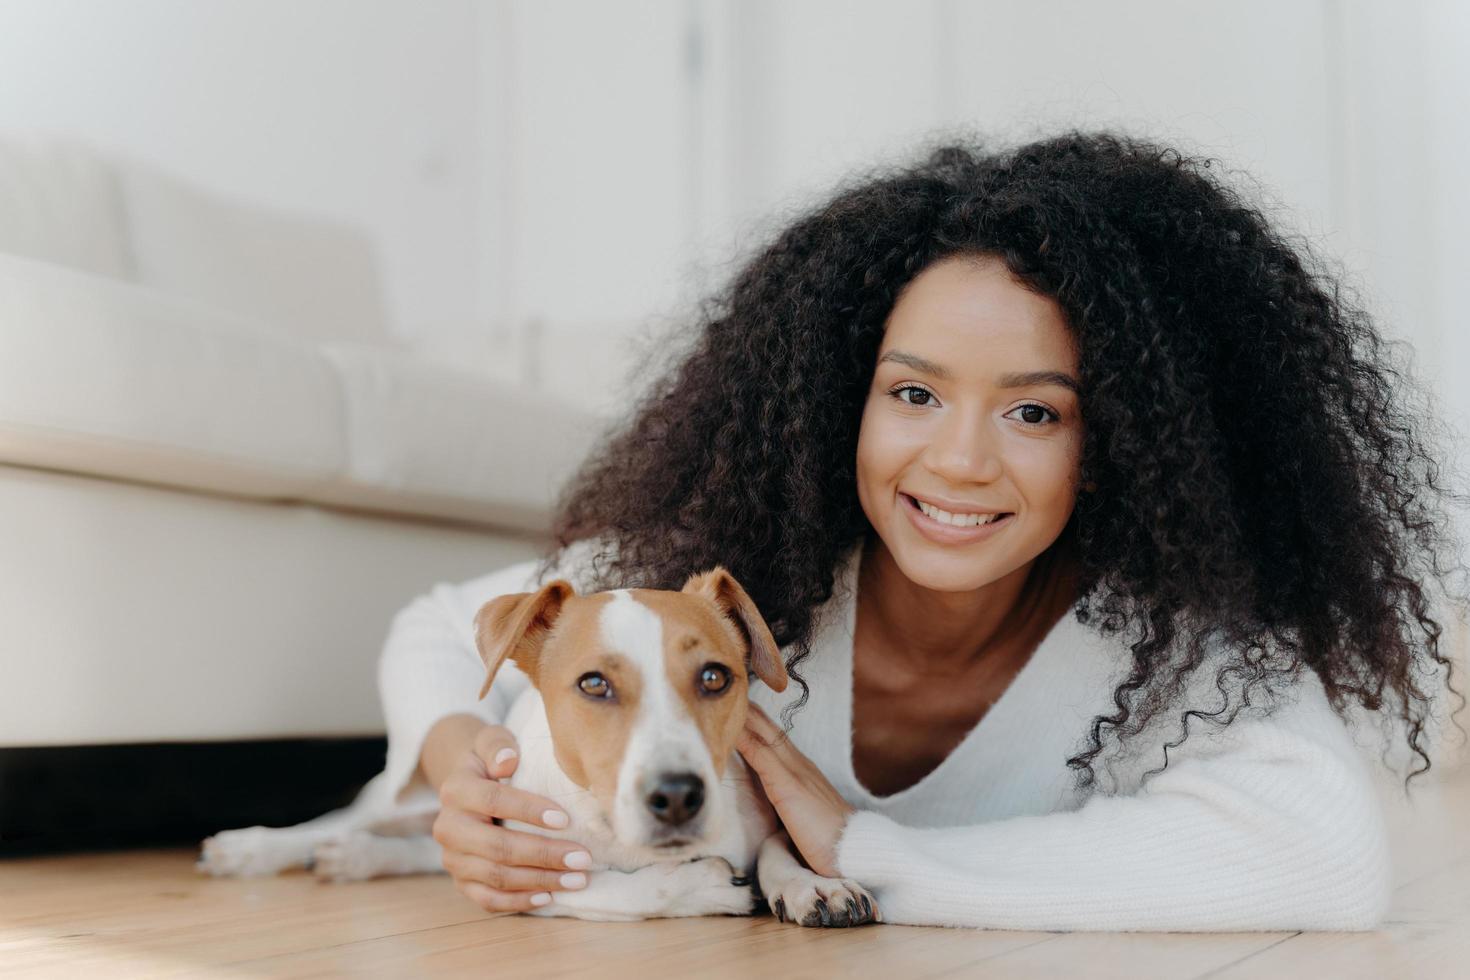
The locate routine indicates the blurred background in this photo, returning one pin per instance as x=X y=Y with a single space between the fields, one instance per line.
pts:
x=540 y=179
x=307 y=306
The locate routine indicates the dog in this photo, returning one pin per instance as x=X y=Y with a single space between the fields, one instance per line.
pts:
x=636 y=701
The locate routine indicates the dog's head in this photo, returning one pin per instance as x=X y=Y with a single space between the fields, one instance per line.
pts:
x=645 y=692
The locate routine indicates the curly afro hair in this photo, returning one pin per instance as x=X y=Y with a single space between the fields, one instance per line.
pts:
x=1258 y=480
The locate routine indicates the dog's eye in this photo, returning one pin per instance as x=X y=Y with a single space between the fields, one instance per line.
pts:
x=595 y=684
x=713 y=678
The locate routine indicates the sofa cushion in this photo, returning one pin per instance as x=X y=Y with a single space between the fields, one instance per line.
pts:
x=451 y=442
x=312 y=277
x=59 y=202
x=116 y=380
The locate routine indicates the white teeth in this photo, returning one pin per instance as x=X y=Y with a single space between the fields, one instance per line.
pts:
x=958 y=520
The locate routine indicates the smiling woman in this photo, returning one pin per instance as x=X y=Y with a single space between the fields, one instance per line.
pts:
x=1120 y=704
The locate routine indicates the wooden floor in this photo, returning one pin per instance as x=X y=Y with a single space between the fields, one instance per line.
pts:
x=149 y=914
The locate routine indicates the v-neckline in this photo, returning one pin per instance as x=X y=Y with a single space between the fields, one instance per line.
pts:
x=1026 y=675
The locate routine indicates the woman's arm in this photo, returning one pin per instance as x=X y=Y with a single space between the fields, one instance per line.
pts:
x=431 y=672
x=1269 y=823
x=430 y=668
x=445 y=745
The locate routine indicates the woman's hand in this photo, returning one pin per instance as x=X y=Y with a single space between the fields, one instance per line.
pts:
x=502 y=870
x=811 y=808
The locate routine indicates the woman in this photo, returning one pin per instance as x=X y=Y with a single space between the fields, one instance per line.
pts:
x=1192 y=439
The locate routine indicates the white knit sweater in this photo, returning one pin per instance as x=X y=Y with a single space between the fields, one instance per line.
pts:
x=1269 y=823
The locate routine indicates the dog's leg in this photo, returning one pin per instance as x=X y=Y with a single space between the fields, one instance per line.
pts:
x=252 y=851
x=707 y=886
x=798 y=894
x=359 y=855
x=268 y=850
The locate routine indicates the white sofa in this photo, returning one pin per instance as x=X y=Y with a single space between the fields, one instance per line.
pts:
x=219 y=475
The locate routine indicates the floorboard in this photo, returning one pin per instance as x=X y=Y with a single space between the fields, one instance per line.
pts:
x=148 y=913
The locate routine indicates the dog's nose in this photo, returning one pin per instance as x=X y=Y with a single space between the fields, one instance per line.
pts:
x=676 y=797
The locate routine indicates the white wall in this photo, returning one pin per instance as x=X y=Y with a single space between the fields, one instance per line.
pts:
x=586 y=226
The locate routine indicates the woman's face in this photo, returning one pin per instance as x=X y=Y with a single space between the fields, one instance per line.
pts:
x=949 y=418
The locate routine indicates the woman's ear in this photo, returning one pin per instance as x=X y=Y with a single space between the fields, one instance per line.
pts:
x=763 y=656
x=515 y=626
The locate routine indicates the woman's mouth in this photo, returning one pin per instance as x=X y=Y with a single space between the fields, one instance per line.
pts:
x=941 y=531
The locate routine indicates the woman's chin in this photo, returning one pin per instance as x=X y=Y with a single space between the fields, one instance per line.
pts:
x=939 y=571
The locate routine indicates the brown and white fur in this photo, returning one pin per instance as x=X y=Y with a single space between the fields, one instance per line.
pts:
x=637 y=699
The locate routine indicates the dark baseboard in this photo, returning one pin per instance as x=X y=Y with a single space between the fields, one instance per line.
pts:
x=104 y=797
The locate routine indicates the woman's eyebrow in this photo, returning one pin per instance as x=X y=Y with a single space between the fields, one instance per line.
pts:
x=1020 y=379
x=1025 y=379
x=918 y=364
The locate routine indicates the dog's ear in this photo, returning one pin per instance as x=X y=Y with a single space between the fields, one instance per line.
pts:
x=720 y=586
x=516 y=626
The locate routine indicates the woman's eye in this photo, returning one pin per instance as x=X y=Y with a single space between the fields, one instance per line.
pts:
x=713 y=679
x=1043 y=416
x=595 y=685
x=925 y=395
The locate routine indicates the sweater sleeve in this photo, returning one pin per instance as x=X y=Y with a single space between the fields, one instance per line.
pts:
x=1272 y=822
x=430 y=667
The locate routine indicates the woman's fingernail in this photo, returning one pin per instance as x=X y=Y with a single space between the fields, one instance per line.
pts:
x=573 y=879
x=540 y=898
x=504 y=754
x=555 y=818
x=579 y=859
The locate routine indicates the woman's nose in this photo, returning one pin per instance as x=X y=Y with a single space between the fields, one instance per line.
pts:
x=965 y=450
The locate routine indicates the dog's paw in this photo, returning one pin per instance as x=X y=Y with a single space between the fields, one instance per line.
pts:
x=250 y=852
x=350 y=857
x=816 y=901
x=719 y=889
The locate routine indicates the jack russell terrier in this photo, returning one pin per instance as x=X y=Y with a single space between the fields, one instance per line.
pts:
x=637 y=699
